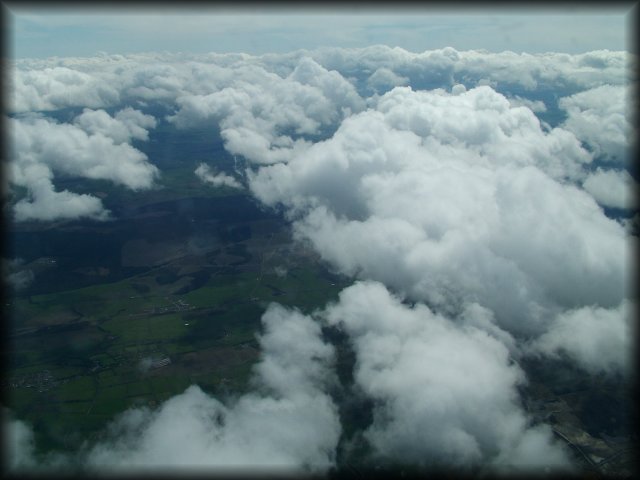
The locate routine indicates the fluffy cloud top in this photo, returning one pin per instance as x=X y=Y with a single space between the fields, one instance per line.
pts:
x=126 y=125
x=598 y=339
x=45 y=203
x=612 y=188
x=92 y=153
x=260 y=113
x=445 y=394
x=601 y=118
x=94 y=146
x=51 y=88
x=106 y=80
x=447 y=66
x=384 y=79
x=455 y=199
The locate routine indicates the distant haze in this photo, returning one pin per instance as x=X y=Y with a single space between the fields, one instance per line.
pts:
x=41 y=33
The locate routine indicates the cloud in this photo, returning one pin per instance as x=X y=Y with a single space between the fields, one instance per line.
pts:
x=109 y=80
x=45 y=203
x=447 y=66
x=612 y=188
x=126 y=125
x=69 y=149
x=384 y=79
x=18 y=444
x=286 y=423
x=20 y=280
x=556 y=70
x=601 y=118
x=533 y=105
x=485 y=123
x=15 y=274
x=445 y=393
x=598 y=339
x=204 y=173
x=52 y=88
x=260 y=113
x=334 y=87
x=93 y=147
x=452 y=199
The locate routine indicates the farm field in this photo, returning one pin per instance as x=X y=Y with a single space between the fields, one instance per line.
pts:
x=130 y=312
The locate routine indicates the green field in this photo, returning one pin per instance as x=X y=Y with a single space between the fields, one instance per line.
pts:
x=184 y=271
x=78 y=356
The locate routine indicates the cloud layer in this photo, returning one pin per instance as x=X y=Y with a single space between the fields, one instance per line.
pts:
x=107 y=80
x=271 y=108
x=456 y=198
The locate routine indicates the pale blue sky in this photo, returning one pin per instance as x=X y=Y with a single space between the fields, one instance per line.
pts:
x=40 y=33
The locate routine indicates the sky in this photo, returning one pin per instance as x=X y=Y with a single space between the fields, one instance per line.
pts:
x=489 y=232
x=39 y=32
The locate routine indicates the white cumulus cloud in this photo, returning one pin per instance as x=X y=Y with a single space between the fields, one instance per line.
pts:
x=455 y=199
x=45 y=203
x=18 y=444
x=55 y=87
x=261 y=114
x=127 y=124
x=92 y=147
x=612 y=188
x=601 y=118
x=445 y=394
x=107 y=80
x=207 y=175
x=384 y=79
x=598 y=339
